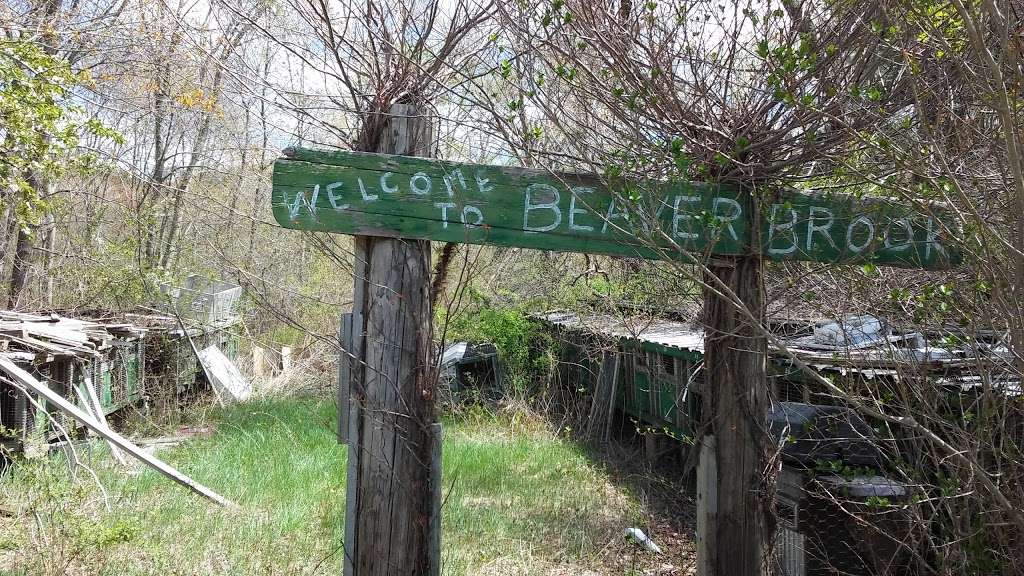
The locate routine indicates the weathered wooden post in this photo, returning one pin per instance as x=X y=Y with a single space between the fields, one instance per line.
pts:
x=389 y=515
x=735 y=506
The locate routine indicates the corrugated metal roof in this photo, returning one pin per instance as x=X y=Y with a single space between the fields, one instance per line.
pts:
x=890 y=355
x=655 y=330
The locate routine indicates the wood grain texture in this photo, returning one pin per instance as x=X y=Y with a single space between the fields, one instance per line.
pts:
x=737 y=537
x=395 y=196
x=349 y=354
x=391 y=438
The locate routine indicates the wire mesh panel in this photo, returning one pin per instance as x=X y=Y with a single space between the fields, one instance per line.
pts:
x=15 y=416
x=203 y=300
x=827 y=526
x=789 y=546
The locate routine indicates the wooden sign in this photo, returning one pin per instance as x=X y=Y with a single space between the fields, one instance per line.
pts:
x=400 y=196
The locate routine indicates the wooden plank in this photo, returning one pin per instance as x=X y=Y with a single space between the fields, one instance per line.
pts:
x=395 y=196
x=707 y=507
x=224 y=376
x=46 y=346
x=360 y=273
x=51 y=397
x=199 y=358
x=97 y=411
x=351 y=494
x=603 y=398
x=343 y=399
x=436 y=465
x=350 y=355
x=397 y=413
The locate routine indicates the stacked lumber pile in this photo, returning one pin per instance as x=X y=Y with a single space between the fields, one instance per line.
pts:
x=28 y=337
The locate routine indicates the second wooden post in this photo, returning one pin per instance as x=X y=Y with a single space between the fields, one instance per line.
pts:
x=735 y=487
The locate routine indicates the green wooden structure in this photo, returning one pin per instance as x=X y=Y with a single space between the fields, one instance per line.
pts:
x=829 y=523
x=658 y=372
x=126 y=359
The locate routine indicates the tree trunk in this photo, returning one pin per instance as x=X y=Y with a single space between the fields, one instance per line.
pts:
x=24 y=251
x=736 y=536
x=389 y=523
x=169 y=232
x=8 y=229
x=19 y=272
x=48 y=234
x=154 y=189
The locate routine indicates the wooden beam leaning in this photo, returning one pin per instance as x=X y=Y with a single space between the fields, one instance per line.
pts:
x=91 y=400
x=28 y=381
x=391 y=440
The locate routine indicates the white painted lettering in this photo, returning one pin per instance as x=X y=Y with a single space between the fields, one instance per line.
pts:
x=661 y=209
x=333 y=198
x=727 y=219
x=611 y=215
x=444 y=206
x=773 y=227
x=420 y=184
x=482 y=184
x=573 y=210
x=931 y=240
x=448 y=182
x=293 y=208
x=367 y=197
x=813 y=226
x=467 y=210
x=676 y=217
x=312 y=201
x=863 y=221
x=908 y=237
x=384 y=186
x=528 y=206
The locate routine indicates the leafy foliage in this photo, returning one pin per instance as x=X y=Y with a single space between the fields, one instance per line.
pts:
x=521 y=343
x=39 y=123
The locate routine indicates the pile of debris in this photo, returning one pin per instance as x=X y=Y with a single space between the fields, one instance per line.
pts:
x=43 y=338
x=95 y=364
x=871 y=347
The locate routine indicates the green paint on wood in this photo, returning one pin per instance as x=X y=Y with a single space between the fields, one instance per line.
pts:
x=400 y=196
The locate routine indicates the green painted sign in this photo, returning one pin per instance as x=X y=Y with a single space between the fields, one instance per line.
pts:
x=401 y=196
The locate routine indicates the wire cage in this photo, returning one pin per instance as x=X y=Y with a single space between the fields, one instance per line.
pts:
x=17 y=418
x=833 y=525
x=201 y=299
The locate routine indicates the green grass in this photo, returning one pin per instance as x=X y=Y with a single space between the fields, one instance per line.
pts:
x=518 y=500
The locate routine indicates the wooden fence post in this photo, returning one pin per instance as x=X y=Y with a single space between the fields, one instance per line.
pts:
x=391 y=492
